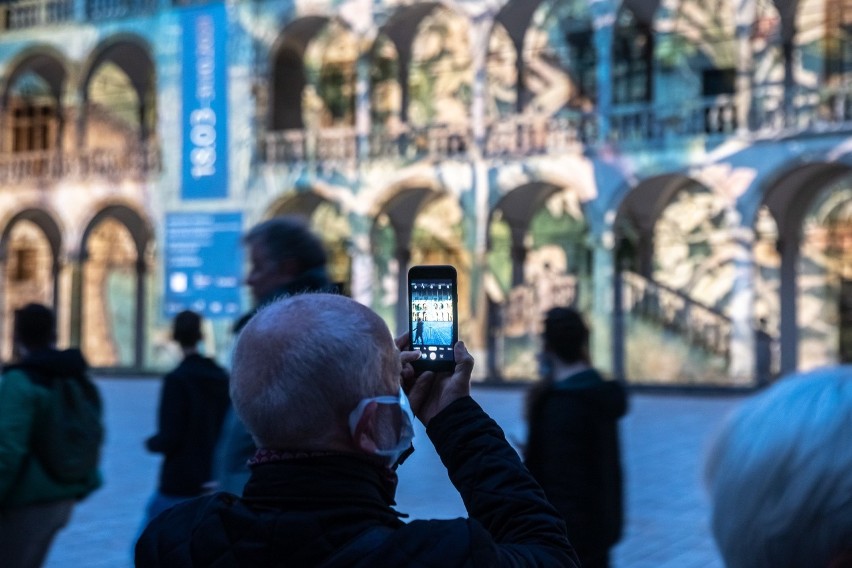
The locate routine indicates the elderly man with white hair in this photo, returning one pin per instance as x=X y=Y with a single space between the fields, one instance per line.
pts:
x=331 y=431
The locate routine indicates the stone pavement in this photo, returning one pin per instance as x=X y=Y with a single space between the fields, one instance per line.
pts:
x=664 y=439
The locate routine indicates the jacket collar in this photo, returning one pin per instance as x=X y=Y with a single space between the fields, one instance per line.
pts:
x=322 y=481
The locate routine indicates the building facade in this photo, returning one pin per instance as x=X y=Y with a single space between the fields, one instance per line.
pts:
x=677 y=169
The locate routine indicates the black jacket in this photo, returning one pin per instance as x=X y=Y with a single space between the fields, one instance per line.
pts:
x=302 y=512
x=573 y=451
x=193 y=403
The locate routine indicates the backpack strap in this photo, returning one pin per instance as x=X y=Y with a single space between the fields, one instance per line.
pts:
x=357 y=548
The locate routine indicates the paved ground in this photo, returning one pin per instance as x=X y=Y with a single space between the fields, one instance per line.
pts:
x=664 y=440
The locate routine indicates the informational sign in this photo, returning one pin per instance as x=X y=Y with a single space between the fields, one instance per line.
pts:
x=204 y=263
x=205 y=103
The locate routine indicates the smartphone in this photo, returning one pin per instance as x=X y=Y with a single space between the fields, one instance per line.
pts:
x=433 y=316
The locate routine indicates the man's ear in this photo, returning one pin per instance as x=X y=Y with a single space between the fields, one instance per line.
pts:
x=364 y=436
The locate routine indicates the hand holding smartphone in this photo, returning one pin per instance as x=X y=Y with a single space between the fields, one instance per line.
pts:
x=433 y=316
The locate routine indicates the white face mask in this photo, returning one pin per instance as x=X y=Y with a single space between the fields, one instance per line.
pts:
x=406 y=428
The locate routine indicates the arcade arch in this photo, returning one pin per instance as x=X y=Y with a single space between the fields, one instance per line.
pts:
x=30 y=246
x=32 y=103
x=538 y=257
x=109 y=309
x=808 y=205
x=118 y=91
x=417 y=225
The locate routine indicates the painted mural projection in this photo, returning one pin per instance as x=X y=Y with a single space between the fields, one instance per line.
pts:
x=688 y=328
x=333 y=227
x=697 y=60
x=441 y=75
x=559 y=59
x=438 y=238
x=329 y=96
x=767 y=281
x=109 y=293
x=555 y=272
x=385 y=89
x=386 y=283
x=768 y=65
x=824 y=61
x=113 y=110
x=824 y=276
x=502 y=68
x=29 y=275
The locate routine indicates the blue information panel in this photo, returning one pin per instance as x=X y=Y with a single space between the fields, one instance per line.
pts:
x=204 y=263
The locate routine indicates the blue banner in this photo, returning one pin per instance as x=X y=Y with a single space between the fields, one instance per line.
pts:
x=205 y=103
x=203 y=263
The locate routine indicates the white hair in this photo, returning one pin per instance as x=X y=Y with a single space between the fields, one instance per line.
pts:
x=303 y=363
x=780 y=474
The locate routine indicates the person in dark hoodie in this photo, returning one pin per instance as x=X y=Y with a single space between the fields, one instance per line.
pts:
x=193 y=403
x=34 y=503
x=287 y=258
x=573 y=447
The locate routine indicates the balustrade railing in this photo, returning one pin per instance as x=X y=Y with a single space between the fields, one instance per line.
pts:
x=699 y=324
x=23 y=14
x=52 y=165
x=109 y=9
x=526 y=135
x=328 y=144
x=644 y=122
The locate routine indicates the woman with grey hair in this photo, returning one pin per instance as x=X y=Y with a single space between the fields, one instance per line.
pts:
x=780 y=475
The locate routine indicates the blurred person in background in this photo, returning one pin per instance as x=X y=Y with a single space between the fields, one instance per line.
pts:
x=328 y=396
x=51 y=433
x=573 y=446
x=286 y=258
x=193 y=402
x=779 y=475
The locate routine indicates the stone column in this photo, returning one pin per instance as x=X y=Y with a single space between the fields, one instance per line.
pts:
x=519 y=252
x=603 y=14
x=745 y=16
x=402 y=255
x=75 y=323
x=741 y=364
x=141 y=313
x=789 y=330
x=602 y=340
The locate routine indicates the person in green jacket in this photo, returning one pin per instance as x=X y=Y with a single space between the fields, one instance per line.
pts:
x=34 y=505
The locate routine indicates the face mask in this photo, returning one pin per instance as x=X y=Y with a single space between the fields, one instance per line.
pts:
x=406 y=428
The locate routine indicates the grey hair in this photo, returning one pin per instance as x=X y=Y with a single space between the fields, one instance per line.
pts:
x=303 y=363
x=780 y=474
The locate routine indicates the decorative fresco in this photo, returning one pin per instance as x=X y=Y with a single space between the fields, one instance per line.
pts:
x=474 y=133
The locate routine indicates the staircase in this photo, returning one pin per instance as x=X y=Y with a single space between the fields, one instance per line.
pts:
x=700 y=325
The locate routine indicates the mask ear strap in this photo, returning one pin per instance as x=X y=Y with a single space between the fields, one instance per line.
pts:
x=363 y=432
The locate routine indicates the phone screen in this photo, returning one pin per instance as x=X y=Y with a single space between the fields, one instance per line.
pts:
x=433 y=313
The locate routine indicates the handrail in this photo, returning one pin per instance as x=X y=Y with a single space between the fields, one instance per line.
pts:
x=702 y=325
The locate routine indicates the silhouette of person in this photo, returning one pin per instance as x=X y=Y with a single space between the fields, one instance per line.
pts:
x=34 y=503
x=573 y=446
x=287 y=258
x=331 y=436
x=193 y=403
x=418 y=330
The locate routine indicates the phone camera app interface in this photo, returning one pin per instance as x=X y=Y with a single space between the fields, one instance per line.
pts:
x=432 y=318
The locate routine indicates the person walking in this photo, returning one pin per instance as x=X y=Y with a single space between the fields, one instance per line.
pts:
x=193 y=402
x=42 y=474
x=573 y=444
x=286 y=258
